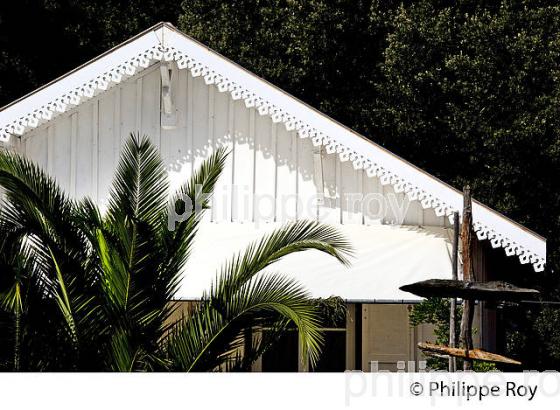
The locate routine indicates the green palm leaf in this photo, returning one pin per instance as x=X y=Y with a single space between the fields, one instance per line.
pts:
x=140 y=186
x=239 y=298
x=178 y=237
x=207 y=339
x=294 y=237
x=91 y=292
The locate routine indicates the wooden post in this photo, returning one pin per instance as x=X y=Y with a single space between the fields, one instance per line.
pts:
x=358 y=337
x=453 y=302
x=468 y=275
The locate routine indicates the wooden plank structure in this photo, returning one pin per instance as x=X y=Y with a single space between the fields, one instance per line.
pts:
x=470 y=291
x=468 y=275
x=494 y=290
x=453 y=301
x=476 y=354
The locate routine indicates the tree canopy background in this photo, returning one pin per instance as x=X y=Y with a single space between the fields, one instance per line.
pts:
x=468 y=90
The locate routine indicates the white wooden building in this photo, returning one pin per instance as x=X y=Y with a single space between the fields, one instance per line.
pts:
x=288 y=161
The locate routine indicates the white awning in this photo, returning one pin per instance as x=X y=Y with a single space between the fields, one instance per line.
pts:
x=386 y=257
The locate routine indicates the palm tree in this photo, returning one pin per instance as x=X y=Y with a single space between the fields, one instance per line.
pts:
x=82 y=290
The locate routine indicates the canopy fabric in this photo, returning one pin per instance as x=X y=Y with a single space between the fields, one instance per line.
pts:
x=385 y=258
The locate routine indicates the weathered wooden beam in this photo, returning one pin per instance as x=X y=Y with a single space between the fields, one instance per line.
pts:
x=471 y=354
x=468 y=275
x=449 y=288
x=453 y=301
x=467 y=236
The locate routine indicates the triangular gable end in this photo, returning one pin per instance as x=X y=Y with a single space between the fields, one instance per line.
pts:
x=164 y=43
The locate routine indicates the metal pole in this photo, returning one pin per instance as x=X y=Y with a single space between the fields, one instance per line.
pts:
x=453 y=302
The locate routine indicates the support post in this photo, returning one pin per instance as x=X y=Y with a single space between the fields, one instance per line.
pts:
x=453 y=302
x=358 y=337
x=468 y=275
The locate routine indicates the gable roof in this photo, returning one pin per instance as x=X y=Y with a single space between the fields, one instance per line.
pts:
x=164 y=42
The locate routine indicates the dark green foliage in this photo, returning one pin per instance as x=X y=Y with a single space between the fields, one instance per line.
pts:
x=469 y=93
x=333 y=311
x=532 y=336
x=546 y=326
x=435 y=311
x=326 y=53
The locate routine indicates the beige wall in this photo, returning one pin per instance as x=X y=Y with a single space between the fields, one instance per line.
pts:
x=387 y=336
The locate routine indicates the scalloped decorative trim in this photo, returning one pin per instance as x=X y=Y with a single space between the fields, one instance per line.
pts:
x=78 y=95
x=292 y=123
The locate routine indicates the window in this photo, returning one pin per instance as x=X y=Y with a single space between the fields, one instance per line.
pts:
x=285 y=355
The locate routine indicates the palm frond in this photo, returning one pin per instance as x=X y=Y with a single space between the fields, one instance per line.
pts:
x=43 y=217
x=15 y=266
x=200 y=186
x=36 y=203
x=257 y=341
x=177 y=239
x=139 y=189
x=238 y=292
x=63 y=301
x=294 y=237
x=207 y=339
x=115 y=280
x=124 y=357
x=178 y=235
x=82 y=290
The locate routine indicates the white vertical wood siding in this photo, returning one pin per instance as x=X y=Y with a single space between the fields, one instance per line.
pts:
x=270 y=174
